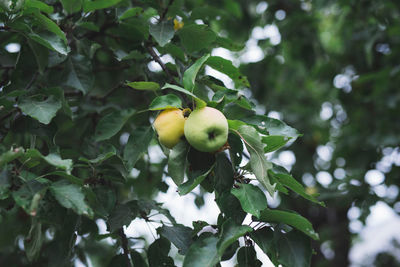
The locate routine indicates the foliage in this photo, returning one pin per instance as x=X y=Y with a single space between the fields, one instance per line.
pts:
x=82 y=81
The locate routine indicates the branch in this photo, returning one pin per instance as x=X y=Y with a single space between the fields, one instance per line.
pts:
x=31 y=81
x=158 y=59
x=166 y=10
x=124 y=242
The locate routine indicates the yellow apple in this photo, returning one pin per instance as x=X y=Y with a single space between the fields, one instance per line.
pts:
x=169 y=125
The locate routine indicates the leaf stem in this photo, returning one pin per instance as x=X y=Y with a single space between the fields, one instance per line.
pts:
x=124 y=242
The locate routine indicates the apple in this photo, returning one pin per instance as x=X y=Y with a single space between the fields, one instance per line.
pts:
x=206 y=129
x=169 y=125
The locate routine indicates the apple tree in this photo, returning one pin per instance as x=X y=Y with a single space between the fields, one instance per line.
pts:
x=81 y=84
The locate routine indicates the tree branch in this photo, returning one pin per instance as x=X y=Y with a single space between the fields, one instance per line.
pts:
x=166 y=10
x=124 y=242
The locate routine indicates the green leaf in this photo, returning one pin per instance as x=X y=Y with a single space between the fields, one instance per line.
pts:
x=258 y=163
x=112 y=123
x=88 y=25
x=89 y=5
x=230 y=233
x=132 y=12
x=202 y=253
x=55 y=160
x=177 y=162
x=189 y=77
x=251 y=198
x=274 y=142
x=272 y=126
x=137 y=258
x=5 y=184
x=294 y=249
x=43 y=111
x=247 y=257
x=69 y=177
x=123 y=214
x=11 y=155
x=29 y=192
x=230 y=206
x=101 y=157
x=290 y=218
x=229 y=44
x=165 y=102
x=78 y=73
x=39 y=5
x=72 y=6
x=137 y=145
x=162 y=32
x=194 y=180
x=287 y=180
x=179 y=235
x=225 y=66
x=33 y=242
x=157 y=254
x=152 y=86
x=51 y=41
x=70 y=196
x=50 y=25
x=199 y=102
x=196 y=37
x=264 y=238
x=223 y=173
x=41 y=54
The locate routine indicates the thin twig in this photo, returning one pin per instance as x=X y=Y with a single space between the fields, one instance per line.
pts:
x=157 y=59
x=124 y=242
x=166 y=10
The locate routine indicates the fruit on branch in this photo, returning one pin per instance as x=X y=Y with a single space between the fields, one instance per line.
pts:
x=169 y=125
x=206 y=129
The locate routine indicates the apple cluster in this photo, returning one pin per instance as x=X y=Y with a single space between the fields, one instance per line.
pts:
x=206 y=129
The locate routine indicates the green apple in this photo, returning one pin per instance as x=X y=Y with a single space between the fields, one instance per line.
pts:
x=169 y=125
x=206 y=129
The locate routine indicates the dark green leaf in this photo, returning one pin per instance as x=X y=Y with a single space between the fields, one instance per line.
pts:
x=71 y=196
x=196 y=37
x=230 y=233
x=294 y=249
x=195 y=178
x=137 y=145
x=39 y=5
x=123 y=214
x=137 y=259
x=179 y=235
x=272 y=126
x=132 y=12
x=57 y=161
x=287 y=180
x=258 y=161
x=162 y=32
x=78 y=73
x=230 y=206
x=223 y=173
x=165 y=102
x=265 y=239
x=72 y=6
x=177 y=162
x=51 y=41
x=112 y=123
x=158 y=253
x=290 y=218
x=247 y=257
x=89 y=5
x=202 y=253
x=43 y=111
x=251 y=198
